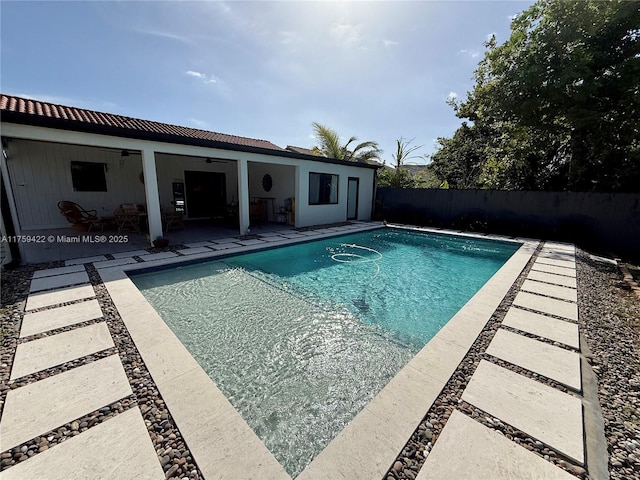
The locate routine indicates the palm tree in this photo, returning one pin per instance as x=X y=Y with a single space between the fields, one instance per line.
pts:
x=399 y=177
x=329 y=146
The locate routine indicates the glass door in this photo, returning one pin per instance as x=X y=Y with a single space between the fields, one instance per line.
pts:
x=352 y=198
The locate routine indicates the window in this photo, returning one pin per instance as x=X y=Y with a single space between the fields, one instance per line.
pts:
x=323 y=188
x=89 y=176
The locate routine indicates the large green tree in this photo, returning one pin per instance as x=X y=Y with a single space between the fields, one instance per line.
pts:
x=330 y=145
x=459 y=160
x=557 y=106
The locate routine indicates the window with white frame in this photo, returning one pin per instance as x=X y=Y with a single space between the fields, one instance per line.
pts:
x=323 y=188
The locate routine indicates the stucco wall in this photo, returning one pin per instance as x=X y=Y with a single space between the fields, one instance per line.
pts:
x=171 y=168
x=603 y=221
x=283 y=183
x=322 y=214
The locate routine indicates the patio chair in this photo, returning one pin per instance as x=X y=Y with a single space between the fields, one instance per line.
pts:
x=127 y=219
x=172 y=219
x=79 y=218
x=256 y=214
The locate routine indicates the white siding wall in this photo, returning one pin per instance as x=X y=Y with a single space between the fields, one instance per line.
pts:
x=40 y=174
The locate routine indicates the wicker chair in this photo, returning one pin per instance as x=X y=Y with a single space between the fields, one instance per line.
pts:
x=172 y=219
x=80 y=218
x=127 y=219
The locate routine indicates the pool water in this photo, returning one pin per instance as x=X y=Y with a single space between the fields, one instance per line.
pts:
x=301 y=338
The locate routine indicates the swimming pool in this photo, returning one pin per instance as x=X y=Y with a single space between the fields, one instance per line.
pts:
x=301 y=338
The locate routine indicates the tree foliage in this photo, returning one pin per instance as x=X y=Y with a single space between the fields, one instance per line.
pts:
x=556 y=107
x=460 y=159
x=329 y=145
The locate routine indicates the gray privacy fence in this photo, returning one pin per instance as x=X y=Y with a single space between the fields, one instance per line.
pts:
x=603 y=222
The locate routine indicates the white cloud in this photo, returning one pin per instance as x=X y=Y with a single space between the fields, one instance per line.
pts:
x=346 y=34
x=389 y=43
x=158 y=33
x=195 y=74
x=206 y=78
x=489 y=35
x=452 y=95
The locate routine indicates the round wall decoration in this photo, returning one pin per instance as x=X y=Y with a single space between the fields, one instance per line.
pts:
x=267 y=182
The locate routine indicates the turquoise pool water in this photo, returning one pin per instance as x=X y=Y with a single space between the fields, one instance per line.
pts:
x=300 y=338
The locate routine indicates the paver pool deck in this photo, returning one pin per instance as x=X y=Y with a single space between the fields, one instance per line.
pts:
x=544 y=310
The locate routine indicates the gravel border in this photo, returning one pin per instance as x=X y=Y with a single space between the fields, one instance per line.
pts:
x=610 y=321
x=609 y=318
x=173 y=454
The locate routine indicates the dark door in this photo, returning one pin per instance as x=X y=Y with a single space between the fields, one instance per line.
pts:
x=206 y=194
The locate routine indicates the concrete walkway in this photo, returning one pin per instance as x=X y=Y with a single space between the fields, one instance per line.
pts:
x=120 y=447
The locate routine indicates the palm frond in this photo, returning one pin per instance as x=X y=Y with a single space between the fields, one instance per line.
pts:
x=329 y=141
x=404 y=151
x=366 y=151
x=330 y=146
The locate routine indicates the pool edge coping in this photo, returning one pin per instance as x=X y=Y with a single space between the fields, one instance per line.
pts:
x=382 y=427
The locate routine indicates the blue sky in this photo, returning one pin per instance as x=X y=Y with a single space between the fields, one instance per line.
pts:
x=376 y=70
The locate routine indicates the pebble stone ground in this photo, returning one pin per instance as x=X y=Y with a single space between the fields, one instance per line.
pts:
x=609 y=318
x=610 y=321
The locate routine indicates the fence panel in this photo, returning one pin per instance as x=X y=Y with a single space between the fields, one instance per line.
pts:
x=606 y=222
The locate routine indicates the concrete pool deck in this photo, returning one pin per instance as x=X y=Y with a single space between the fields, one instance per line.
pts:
x=544 y=308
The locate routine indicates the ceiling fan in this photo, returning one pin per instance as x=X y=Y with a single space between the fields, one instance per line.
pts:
x=120 y=152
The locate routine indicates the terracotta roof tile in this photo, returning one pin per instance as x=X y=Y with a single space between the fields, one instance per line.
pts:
x=133 y=126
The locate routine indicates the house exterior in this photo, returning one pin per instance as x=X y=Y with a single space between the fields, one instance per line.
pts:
x=101 y=160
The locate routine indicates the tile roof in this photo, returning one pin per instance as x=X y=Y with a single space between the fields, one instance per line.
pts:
x=35 y=112
x=306 y=151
